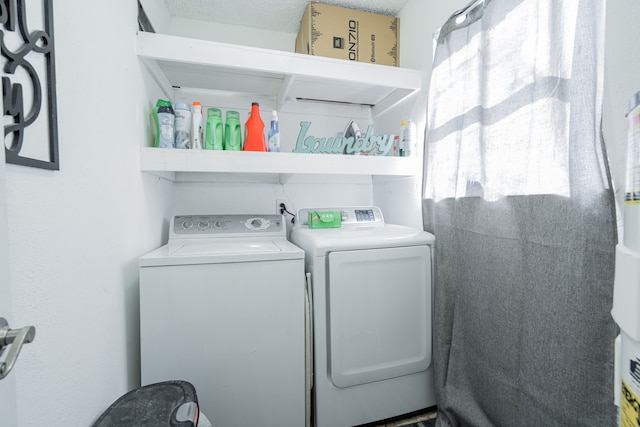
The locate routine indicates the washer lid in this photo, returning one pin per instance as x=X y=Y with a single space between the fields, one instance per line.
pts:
x=218 y=248
x=214 y=251
x=319 y=242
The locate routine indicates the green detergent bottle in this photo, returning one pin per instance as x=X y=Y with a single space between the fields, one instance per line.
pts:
x=213 y=132
x=232 y=131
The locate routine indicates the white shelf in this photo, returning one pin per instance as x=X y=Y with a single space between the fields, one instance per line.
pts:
x=235 y=69
x=167 y=161
x=192 y=63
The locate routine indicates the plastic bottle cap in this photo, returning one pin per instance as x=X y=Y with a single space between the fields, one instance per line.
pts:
x=196 y=103
x=403 y=123
x=274 y=115
x=214 y=112
x=163 y=103
x=182 y=106
x=233 y=114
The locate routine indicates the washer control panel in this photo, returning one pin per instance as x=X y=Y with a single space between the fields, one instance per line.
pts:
x=221 y=225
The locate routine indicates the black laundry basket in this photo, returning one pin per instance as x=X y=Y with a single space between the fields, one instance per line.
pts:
x=154 y=405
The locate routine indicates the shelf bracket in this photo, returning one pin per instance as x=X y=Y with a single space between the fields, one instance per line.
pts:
x=393 y=99
x=284 y=91
x=159 y=77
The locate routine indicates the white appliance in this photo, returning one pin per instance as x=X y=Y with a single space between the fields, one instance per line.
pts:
x=372 y=311
x=626 y=288
x=222 y=306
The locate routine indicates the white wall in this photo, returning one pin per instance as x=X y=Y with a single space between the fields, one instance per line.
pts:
x=8 y=384
x=233 y=34
x=164 y=23
x=75 y=235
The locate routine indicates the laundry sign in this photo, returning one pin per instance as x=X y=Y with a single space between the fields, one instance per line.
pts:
x=377 y=145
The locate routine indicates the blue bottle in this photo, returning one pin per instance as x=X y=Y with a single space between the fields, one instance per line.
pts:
x=274 y=133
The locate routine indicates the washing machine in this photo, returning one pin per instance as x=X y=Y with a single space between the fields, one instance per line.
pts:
x=222 y=306
x=372 y=298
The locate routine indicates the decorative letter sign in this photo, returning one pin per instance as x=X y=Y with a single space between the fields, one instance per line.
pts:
x=28 y=84
x=375 y=145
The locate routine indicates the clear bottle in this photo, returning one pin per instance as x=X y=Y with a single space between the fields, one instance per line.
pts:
x=274 y=133
x=164 y=117
x=402 y=145
x=196 y=126
x=409 y=140
x=255 y=140
x=395 y=150
x=213 y=131
x=183 y=125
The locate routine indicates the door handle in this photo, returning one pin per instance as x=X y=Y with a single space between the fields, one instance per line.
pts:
x=15 y=338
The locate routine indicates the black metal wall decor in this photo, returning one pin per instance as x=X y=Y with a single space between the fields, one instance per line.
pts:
x=20 y=68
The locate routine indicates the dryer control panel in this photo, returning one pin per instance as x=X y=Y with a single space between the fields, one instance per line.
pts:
x=225 y=225
x=367 y=215
x=351 y=216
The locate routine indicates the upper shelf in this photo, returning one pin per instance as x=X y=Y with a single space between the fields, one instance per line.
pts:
x=192 y=63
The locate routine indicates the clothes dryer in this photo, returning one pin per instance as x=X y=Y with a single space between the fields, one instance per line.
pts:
x=372 y=316
x=222 y=306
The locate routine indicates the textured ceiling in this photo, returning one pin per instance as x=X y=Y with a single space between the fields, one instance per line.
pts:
x=275 y=15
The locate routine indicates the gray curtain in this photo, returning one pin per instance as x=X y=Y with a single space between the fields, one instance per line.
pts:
x=517 y=192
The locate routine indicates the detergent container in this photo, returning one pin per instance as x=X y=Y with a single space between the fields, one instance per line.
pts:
x=196 y=126
x=164 y=118
x=255 y=140
x=183 y=125
x=213 y=130
x=232 y=132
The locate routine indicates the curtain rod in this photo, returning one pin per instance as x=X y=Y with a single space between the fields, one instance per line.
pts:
x=469 y=8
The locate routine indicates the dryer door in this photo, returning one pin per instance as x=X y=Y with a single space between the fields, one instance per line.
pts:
x=379 y=314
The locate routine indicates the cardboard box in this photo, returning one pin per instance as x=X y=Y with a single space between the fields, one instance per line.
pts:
x=338 y=32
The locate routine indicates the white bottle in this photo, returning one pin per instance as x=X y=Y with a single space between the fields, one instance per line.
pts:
x=183 y=125
x=196 y=126
x=410 y=134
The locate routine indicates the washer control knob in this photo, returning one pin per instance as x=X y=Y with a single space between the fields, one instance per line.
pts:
x=186 y=225
x=217 y=224
x=203 y=224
